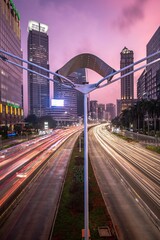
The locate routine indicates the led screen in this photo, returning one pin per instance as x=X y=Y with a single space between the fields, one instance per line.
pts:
x=57 y=102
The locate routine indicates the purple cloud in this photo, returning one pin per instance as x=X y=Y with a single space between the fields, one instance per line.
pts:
x=131 y=14
x=58 y=3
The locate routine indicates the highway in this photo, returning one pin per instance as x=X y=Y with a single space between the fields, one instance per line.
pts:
x=34 y=216
x=128 y=176
x=17 y=167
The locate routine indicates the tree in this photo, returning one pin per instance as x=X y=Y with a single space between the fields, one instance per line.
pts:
x=49 y=119
x=32 y=120
x=4 y=131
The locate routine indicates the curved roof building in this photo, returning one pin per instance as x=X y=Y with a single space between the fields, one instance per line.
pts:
x=86 y=60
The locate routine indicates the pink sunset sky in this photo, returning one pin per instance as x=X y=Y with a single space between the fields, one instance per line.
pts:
x=99 y=27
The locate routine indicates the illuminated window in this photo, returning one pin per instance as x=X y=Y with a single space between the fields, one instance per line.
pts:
x=6 y=109
x=15 y=111
x=18 y=111
x=21 y=112
x=11 y=110
x=1 y=109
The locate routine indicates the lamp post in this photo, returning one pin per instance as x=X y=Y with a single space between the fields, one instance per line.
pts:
x=84 y=88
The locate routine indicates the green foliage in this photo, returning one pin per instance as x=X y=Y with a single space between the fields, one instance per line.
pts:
x=154 y=148
x=35 y=122
x=140 y=115
x=49 y=119
x=4 y=131
x=32 y=120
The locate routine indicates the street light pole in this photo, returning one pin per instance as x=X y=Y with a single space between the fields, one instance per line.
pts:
x=85 y=89
x=86 y=190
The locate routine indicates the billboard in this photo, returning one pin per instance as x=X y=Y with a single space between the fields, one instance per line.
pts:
x=57 y=102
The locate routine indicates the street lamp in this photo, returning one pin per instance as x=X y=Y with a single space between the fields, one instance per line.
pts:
x=84 y=88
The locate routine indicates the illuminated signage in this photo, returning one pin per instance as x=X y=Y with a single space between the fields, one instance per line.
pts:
x=45 y=125
x=57 y=102
x=33 y=25
x=14 y=9
x=13 y=105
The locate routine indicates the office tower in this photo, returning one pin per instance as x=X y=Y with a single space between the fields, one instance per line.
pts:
x=111 y=109
x=127 y=82
x=153 y=71
x=127 y=89
x=141 y=86
x=101 y=112
x=38 y=87
x=11 y=80
x=148 y=85
x=94 y=110
x=73 y=100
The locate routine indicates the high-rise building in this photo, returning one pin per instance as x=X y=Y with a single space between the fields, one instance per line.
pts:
x=11 y=78
x=141 y=85
x=148 y=85
x=111 y=109
x=127 y=82
x=101 y=112
x=69 y=96
x=94 y=110
x=127 y=86
x=73 y=100
x=38 y=87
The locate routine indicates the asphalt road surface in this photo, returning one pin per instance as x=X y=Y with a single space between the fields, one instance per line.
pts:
x=130 y=220
x=33 y=218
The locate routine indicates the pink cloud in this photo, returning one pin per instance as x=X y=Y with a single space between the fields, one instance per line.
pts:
x=131 y=14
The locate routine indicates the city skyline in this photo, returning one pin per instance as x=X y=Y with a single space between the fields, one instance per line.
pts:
x=102 y=28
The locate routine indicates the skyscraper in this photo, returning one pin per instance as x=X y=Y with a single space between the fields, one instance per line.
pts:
x=101 y=112
x=153 y=71
x=73 y=100
x=110 y=108
x=38 y=87
x=127 y=89
x=148 y=85
x=127 y=82
x=94 y=110
x=11 y=80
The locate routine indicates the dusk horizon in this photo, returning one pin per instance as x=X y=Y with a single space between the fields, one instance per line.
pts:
x=102 y=28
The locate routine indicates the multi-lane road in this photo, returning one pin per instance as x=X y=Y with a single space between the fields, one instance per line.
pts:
x=127 y=174
x=33 y=218
x=129 y=178
x=16 y=167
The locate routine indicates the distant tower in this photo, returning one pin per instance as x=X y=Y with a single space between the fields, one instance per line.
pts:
x=38 y=87
x=94 y=109
x=127 y=83
x=101 y=112
x=127 y=86
x=110 y=108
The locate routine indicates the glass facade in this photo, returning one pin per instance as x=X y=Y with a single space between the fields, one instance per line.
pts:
x=11 y=78
x=38 y=87
x=148 y=85
x=127 y=82
x=152 y=80
x=127 y=90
